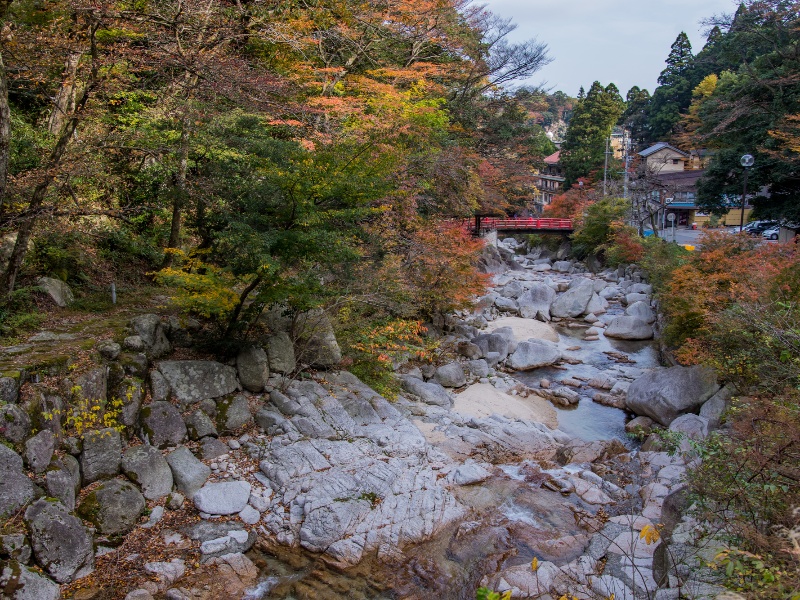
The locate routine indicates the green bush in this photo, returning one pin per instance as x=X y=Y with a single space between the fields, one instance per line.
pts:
x=122 y=246
x=18 y=314
x=59 y=255
x=595 y=233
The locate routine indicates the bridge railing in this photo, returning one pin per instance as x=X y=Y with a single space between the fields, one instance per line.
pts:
x=533 y=223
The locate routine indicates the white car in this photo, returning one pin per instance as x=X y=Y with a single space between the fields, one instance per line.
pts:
x=771 y=233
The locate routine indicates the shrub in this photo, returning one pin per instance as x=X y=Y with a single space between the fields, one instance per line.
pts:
x=60 y=255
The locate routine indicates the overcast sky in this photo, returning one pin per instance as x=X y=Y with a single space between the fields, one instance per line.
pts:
x=619 y=41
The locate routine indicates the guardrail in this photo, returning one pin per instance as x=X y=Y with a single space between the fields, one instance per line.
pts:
x=491 y=224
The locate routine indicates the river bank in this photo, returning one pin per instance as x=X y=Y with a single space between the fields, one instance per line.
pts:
x=320 y=488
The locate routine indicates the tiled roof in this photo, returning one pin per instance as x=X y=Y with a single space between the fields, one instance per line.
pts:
x=661 y=146
x=553 y=158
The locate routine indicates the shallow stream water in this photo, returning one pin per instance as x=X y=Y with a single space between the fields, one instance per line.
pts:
x=589 y=420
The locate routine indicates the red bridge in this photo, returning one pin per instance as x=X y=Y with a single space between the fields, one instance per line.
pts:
x=481 y=225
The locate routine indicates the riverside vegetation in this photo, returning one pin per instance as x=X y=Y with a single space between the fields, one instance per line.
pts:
x=313 y=383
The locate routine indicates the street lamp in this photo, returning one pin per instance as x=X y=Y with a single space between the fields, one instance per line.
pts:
x=747 y=161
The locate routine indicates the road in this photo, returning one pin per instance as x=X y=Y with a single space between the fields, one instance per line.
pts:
x=689 y=237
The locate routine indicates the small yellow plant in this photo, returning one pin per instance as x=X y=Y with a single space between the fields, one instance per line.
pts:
x=650 y=534
x=89 y=415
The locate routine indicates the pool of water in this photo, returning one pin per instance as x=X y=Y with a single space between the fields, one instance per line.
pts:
x=589 y=420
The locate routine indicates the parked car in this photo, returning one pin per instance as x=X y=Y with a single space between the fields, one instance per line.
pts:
x=761 y=226
x=754 y=227
x=771 y=233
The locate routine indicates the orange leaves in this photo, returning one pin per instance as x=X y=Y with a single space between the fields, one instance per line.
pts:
x=442 y=267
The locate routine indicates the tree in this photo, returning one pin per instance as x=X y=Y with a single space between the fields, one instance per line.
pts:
x=634 y=119
x=751 y=112
x=87 y=22
x=674 y=93
x=583 y=151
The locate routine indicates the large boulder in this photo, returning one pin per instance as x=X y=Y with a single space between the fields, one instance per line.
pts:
x=641 y=310
x=597 y=305
x=61 y=543
x=114 y=507
x=573 y=302
x=63 y=480
x=16 y=489
x=492 y=342
x=102 y=454
x=39 y=450
x=227 y=498
x=146 y=466
x=715 y=407
x=534 y=354
x=188 y=473
x=200 y=425
x=9 y=390
x=20 y=582
x=152 y=334
x=59 y=292
x=15 y=424
x=512 y=289
x=233 y=413
x=629 y=328
x=536 y=302
x=252 y=365
x=131 y=392
x=665 y=394
x=280 y=351
x=191 y=381
x=316 y=340
x=430 y=393
x=508 y=305
x=92 y=385
x=450 y=375
x=161 y=425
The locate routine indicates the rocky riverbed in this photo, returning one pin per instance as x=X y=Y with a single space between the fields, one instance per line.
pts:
x=240 y=481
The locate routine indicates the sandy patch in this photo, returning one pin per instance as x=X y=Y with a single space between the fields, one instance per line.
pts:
x=427 y=430
x=482 y=400
x=526 y=329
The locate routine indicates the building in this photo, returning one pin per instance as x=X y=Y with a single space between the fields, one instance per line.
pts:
x=662 y=158
x=551 y=179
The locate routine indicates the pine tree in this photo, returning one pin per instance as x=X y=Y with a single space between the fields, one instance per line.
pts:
x=674 y=94
x=679 y=61
x=714 y=36
x=635 y=116
x=584 y=148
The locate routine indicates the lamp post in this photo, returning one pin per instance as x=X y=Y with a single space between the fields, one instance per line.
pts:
x=747 y=161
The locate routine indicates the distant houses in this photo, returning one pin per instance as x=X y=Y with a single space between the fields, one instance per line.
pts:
x=551 y=179
x=666 y=181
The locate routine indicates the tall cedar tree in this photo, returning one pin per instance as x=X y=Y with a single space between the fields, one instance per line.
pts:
x=583 y=151
x=674 y=94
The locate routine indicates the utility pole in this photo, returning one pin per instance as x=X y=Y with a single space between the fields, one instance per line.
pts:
x=605 y=168
x=626 y=158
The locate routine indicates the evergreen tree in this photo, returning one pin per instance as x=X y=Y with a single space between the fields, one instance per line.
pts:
x=679 y=61
x=583 y=151
x=635 y=116
x=674 y=94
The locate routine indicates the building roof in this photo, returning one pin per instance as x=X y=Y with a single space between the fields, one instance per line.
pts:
x=553 y=158
x=680 y=179
x=661 y=146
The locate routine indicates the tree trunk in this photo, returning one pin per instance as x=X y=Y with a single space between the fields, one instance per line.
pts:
x=5 y=116
x=5 y=134
x=28 y=218
x=180 y=194
x=64 y=103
